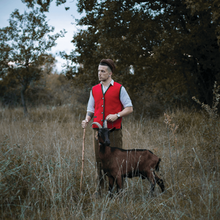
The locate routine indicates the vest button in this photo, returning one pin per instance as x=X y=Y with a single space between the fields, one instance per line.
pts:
x=101 y=120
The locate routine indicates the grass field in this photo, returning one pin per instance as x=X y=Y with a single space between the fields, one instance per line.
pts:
x=40 y=167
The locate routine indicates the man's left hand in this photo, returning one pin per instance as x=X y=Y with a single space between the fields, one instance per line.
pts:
x=112 y=117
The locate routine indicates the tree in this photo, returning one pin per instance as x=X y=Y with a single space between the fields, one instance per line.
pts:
x=44 y=4
x=190 y=47
x=23 y=49
x=171 y=46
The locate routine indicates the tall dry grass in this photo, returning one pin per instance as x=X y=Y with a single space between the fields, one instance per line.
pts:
x=40 y=165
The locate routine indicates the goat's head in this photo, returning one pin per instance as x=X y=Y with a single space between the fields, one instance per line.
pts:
x=103 y=133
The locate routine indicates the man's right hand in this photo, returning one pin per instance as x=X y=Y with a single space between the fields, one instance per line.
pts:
x=85 y=123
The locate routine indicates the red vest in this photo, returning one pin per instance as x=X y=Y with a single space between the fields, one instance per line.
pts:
x=108 y=103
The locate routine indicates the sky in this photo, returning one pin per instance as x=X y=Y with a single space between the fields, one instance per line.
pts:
x=57 y=17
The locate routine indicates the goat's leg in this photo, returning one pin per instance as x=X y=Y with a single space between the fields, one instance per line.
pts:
x=152 y=187
x=119 y=183
x=152 y=182
x=150 y=176
x=111 y=184
x=159 y=181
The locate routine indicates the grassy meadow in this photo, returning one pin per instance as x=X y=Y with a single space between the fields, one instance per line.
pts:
x=40 y=167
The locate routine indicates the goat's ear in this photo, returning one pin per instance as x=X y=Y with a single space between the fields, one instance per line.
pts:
x=112 y=129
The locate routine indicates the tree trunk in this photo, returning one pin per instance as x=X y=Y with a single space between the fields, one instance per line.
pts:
x=24 y=101
x=206 y=82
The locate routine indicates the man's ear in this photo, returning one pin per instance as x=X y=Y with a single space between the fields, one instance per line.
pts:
x=112 y=129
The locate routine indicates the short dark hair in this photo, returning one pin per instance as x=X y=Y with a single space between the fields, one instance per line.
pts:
x=109 y=63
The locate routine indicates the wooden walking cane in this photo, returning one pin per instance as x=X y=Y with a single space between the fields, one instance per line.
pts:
x=83 y=149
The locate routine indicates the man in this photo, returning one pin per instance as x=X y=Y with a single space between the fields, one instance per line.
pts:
x=108 y=100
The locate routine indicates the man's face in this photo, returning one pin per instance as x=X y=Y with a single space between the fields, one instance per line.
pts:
x=103 y=73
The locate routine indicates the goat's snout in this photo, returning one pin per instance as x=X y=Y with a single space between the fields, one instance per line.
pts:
x=107 y=142
x=105 y=134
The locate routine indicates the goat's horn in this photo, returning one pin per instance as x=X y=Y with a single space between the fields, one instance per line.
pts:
x=105 y=124
x=96 y=123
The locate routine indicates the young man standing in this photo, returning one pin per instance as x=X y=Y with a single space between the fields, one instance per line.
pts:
x=108 y=100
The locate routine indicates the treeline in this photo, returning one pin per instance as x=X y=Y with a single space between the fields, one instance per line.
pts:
x=166 y=51
x=51 y=90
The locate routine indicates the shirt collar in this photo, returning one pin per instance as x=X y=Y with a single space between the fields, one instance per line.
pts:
x=111 y=83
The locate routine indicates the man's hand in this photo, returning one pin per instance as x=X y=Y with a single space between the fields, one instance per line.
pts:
x=112 y=117
x=126 y=111
x=85 y=123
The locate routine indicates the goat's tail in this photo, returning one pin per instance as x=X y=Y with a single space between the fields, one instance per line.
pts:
x=157 y=166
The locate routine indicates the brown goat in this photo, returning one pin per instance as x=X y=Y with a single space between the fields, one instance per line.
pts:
x=119 y=163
